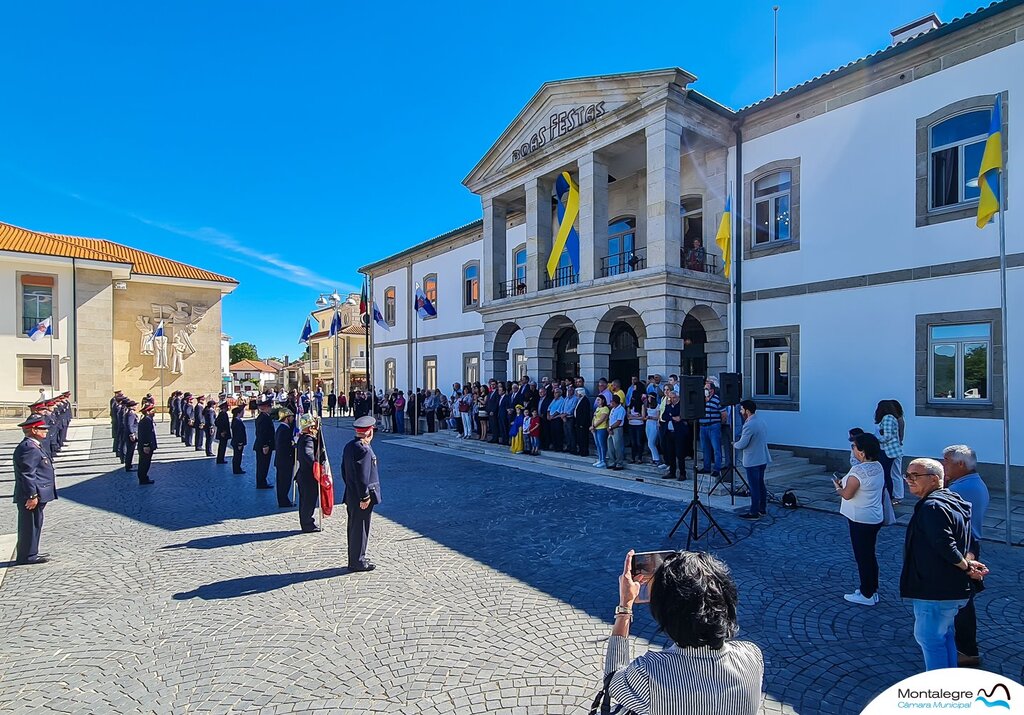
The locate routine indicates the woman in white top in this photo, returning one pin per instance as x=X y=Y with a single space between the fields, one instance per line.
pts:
x=862 y=490
x=653 y=416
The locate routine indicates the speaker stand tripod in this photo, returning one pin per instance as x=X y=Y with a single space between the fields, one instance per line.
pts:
x=691 y=515
x=730 y=473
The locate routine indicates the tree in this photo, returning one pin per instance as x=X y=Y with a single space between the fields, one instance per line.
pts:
x=242 y=351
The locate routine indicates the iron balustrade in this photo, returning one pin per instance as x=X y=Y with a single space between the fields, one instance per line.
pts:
x=699 y=260
x=625 y=262
x=564 y=276
x=512 y=287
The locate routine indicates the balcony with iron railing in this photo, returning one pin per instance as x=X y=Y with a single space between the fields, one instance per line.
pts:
x=625 y=262
x=516 y=286
x=699 y=261
x=564 y=276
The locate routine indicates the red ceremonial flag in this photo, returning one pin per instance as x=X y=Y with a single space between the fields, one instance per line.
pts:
x=363 y=300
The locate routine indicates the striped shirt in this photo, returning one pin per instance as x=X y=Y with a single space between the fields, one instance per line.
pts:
x=889 y=437
x=712 y=411
x=695 y=681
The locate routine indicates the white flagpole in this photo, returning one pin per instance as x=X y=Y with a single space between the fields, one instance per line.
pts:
x=1005 y=361
x=415 y=360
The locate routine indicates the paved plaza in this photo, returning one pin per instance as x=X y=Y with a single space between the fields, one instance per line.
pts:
x=494 y=592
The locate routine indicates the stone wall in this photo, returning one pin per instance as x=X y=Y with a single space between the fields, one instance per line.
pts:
x=135 y=372
x=94 y=300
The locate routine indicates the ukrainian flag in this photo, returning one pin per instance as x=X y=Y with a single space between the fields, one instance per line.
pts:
x=724 y=237
x=991 y=167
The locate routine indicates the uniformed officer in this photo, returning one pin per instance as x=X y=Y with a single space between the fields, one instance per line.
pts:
x=113 y=420
x=146 y=442
x=171 y=409
x=35 y=485
x=131 y=434
x=309 y=451
x=223 y=428
x=362 y=491
x=263 y=443
x=199 y=422
x=238 y=440
x=121 y=410
x=65 y=403
x=187 y=420
x=284 y=456
x=209 y=425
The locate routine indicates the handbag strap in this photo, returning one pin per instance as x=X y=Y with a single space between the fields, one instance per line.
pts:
x=603 y=701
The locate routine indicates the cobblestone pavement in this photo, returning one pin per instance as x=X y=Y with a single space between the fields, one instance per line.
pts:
x=494 y=594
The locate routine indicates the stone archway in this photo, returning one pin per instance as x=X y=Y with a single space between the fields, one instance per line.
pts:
x=713 y=355
x=619 y=345
x=498 y=357
x=558 y=348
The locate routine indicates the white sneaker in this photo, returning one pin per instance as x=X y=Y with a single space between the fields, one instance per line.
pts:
x=663 y=466
x=597 y=464
x=858 y=598
x=601 y=465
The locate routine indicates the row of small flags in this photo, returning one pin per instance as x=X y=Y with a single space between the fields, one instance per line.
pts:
x=421 y=304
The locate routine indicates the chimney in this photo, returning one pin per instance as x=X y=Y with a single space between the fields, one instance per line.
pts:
x=915 y=28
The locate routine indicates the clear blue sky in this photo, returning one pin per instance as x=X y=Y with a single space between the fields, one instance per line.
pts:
x=288 y=143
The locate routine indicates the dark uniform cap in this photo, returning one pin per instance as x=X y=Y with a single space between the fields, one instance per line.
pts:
x=365 y=423
x=131 y=403
x=223 y=404
x=37 y=403
x=187 y=395
x=33 y=420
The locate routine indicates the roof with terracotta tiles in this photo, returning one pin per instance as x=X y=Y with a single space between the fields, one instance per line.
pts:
x=23 y=240
x=252 y=366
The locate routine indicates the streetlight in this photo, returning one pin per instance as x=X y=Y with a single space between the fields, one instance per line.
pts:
x=334 y=301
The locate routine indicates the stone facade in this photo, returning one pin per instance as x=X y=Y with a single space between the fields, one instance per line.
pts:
x=94 y=308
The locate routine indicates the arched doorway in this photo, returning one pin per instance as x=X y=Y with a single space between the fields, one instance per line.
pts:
x=567 y=358
x=624 y=361
x=694 y=359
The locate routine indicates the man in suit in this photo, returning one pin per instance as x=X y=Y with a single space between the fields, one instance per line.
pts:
x=35 y=486
x=209 y=425
x=238 y=439
x=362 y=491
x=284 y=458
x=263 y=443
x=582 y=417
x=222 y=425
x=146 y=442
x=113 y=420
x=131 y=434
x=309 y=451
x=123 y=427
x=199 y=420
x=187 y=419
x=172 y=407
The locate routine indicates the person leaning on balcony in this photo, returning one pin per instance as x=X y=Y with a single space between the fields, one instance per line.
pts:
x=693 y=600
x=696 y=256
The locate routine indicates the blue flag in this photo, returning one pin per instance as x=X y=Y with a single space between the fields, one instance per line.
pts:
x=424 y=308
x=159 y=332
x=336 y=324
x=306 y=332
x=378 y=318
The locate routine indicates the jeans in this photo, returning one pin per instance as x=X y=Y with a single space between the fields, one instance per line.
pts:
x=467 y=424
x=636 y=442
x=617 y=447
x=886 y=463
x=863 y=538
x=400 y=421
x=601 y=438
x=652 y=440
x=896 y=476
x=711 y=441
x=933 y=631
x=758 y=492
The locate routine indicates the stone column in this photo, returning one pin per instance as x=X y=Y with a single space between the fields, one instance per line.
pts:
x=493 y=270
x=537 y=365
x=664 y=341
x=94 y=356
x=664 y=226
x=593 y=215
x=539 y=235
x=594 y=354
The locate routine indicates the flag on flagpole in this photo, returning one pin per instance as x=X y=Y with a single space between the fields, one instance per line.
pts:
x=424 y=308
x=159 y=332
x=363 y=300
x=724 y=237
x=306 y=332
x=336 y=323
x=41 y=330
x=378 y=318
x=991 y=167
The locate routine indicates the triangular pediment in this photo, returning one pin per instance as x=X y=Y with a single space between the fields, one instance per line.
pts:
x=560 y=109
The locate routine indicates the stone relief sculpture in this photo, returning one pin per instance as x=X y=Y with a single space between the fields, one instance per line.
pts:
x=181 y=320
x=146 y=328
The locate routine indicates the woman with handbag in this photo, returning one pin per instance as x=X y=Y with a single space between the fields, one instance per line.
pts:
x=863 y=493
x=482 y=414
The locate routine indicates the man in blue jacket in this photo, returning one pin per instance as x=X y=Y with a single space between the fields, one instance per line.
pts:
x=35 y=485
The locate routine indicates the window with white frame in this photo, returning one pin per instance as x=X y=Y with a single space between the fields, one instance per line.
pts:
x=390 y=375
x=470 y=368
x=960 y=363
x=621 y=246
x=772 y=208
x=519 y=364
x=430 y=372
x=955 y=147
x=36 y=372
x=389 y=306
x=771 y=368
x=36 y=302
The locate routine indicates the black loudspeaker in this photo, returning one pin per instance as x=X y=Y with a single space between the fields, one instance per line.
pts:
x=691 y=397
x=730 y=388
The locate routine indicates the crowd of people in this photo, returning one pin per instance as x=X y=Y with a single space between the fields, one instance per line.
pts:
x=323 y=404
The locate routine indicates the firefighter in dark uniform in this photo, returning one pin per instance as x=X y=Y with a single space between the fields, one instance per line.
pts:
x=238 y=440
x=223 y=427
x=125 y=434
x=362 y=491
x=146 y=442
x=284 y=457
x=187 y=417
x=199 y=422
x=120 y=426
x=172 y=407
x=131 y=434
x=209 y=425
x=263 y=443
x=113 y=420
x=309 y=451
x=65 y=414
x=35 y=486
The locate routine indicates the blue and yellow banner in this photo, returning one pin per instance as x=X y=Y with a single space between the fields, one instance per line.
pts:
x=724 y=237
x=567 y=239
x=991 y=167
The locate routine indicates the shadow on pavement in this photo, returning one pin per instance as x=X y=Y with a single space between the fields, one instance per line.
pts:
x=216 y=542
x=249 y=585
